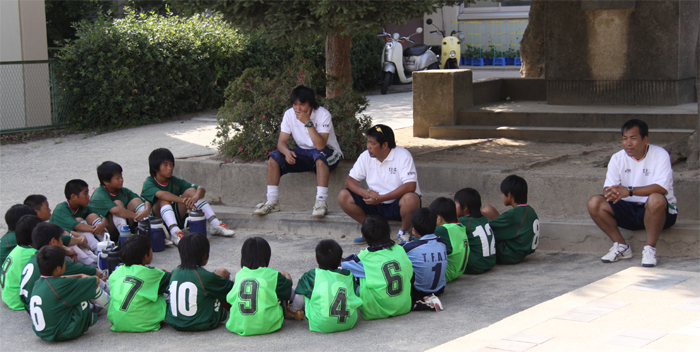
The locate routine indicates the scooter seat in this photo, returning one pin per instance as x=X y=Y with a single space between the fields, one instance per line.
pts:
x=416 y=50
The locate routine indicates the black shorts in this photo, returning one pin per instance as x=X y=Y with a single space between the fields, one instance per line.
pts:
x=390 y=211
x=306 y=159
x=630 y=216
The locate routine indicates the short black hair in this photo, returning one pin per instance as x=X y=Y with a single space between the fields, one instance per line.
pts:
x=15 y=212
x=516 y=186
x=383 y=134
x=49 y=258
x=303 y=94
x=107 y=170
x=74 y=187
x=194 y=250
x=470 y=199
x=255 y=253
x=643 y=128
x=444 y=207
x=329 y=254
x=35 y=201
x=157 y=157
x=424 y=221
x=376 y=231
x=24 y=228
x=134 y=249
x=43 y=234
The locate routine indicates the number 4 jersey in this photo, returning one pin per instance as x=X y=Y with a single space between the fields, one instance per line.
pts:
x=517 y=234
x=330 y=299
x=195 y=299
x=137 y=298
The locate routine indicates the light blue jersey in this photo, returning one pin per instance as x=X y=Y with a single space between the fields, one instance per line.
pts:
x=429 y=258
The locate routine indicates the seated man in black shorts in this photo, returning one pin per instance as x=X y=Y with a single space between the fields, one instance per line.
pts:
x=392 y=180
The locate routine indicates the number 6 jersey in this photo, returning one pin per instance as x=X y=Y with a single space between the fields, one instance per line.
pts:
x=137 y=298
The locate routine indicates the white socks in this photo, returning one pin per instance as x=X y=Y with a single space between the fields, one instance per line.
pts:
x=208 y=212
x=273 y=194
x=91 y=240
x=118 y=222
x=298 y=303
x=321 y=193
x=168 y=216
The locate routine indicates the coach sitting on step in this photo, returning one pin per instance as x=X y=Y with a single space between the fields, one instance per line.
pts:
x=638 y=194
x=393 y=190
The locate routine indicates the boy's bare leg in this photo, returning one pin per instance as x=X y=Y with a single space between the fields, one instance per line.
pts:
x=135 y=206
x=322 y=173
x=490 y=212
x=274 y=173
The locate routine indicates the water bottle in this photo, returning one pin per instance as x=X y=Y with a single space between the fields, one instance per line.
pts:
x=102 y=249
x=124 y=233
x=144 y=228
x=158 y=231
x=197 y=222
x=113 y=260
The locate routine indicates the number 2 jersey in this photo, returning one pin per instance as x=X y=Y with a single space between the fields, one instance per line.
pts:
x=137 y=298
x=30 y=274
x=59 y=307
x=195 y=299
x=11 y=276
x=330 y=299
x=517 y=234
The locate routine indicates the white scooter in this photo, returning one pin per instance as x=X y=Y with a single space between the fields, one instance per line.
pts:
x=402 y=63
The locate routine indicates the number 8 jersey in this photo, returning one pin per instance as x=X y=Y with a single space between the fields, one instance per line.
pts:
x=517 y=234
x=137 y=298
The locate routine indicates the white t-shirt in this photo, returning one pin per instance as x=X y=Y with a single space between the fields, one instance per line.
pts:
x=322 y=122
x=384 y=177
x=654 y=168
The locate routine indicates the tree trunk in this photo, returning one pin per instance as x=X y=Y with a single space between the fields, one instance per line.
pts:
x=533 y=43
x=338 y=64
x=694 y=158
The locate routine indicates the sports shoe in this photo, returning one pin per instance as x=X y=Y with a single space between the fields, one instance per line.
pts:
x=617 y=252
x=265 y=208
x=433 y=302
x=221 y=230
x=404 y=237
x=320 y=209
x=649 y=256
x=175 y=238
x=289 y=314
x=168 y=242
x=359 y=241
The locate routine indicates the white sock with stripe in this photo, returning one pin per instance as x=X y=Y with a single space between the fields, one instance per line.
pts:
x=139 y=208
x=321 y=193
x=168 y=215
x=208 y=212
x=118 y=221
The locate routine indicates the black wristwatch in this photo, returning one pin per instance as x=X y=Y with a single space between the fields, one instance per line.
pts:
x=630 y=189
x=309 y=124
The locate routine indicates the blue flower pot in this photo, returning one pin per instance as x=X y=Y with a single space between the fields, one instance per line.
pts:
x=518 y=61
x=477 y=62
x=499 y=61
x=510 y=61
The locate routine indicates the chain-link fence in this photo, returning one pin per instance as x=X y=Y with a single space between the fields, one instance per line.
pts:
x=30 y=98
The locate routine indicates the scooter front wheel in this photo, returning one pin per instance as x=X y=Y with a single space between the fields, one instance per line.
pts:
x=387 y=77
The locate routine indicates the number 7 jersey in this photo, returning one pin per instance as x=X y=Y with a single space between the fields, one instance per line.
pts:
x=137 y=298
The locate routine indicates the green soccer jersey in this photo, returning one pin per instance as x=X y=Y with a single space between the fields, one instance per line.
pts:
x=517 y=234
x=30 y=274
x=330 y=299
x=8 y=242
x=102 y=201
x=456 y=236
x=11 y=276
x=482 y=245
x=195 y=299
x=64 y=216
x=59 y=307
x=176 y=186
x=137 y=298
x=254 y=301
x=386 y=288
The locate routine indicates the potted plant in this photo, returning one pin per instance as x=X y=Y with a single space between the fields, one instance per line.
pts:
x=467 y=56
x=499 y=58
x=510 y=56
x=488 y=57
x=477 y=59
x=518 y=58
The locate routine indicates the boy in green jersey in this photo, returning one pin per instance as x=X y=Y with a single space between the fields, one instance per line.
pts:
x=48 y=234
x=118 y=204
x=137 y=290
x=196 y=293
x=256 y=292
x=8 y=242
x=454 y=235
x=384 y=272
x=517 y=230
x=328 y=293
x=74 y=214
x=40 y=205
x=172 y=197
x=482 y=244
x=59 y=306
x=11 y=275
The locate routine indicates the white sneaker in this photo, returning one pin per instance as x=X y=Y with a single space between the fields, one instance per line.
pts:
x=617 y=252
x=433 y=302
x=320 y=209
x=649 y=256
x=175 y=237
x=404 y=237
x=265 y=208
x=221 y=230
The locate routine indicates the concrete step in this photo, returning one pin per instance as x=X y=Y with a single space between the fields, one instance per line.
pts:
x=549 y=134
x=576 y=235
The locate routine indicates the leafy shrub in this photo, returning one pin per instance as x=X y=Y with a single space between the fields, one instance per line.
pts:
x=249 y=122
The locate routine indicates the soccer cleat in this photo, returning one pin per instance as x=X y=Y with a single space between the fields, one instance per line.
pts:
x=617 y=252
x=176 y=237
x=433 y=302
x=359 y=241
x=266 y=208
x=221 y=230
x=649 y=256
x=404 y=237
x=320 y=209
x=289 y=314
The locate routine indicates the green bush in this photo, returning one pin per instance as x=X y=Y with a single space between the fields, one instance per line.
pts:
x=249 y=122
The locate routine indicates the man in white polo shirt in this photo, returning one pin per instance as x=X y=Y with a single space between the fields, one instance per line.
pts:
x=638 y=194
x=393 y=190
x=318 y=150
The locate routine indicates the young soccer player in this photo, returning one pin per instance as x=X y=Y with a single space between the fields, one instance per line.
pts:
x=59 y=306
x=171 y=197
x=429 y=259
x=327 y=292
x=454 y=236
x=74 y=214
x=137 y=290
x=15 y=262
x=8 y=242
x=118 y=204
x=196 y=293
x=384 y=272
x=71 y=241
x=40 y=204
x=48 y=234
x=255 y=309
x=482 y=244
x=517 y=230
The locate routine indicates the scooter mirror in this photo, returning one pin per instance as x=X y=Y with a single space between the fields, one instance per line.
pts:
x=396 y=36
x=461 y=36
x=419 y=30
x=429 y=21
